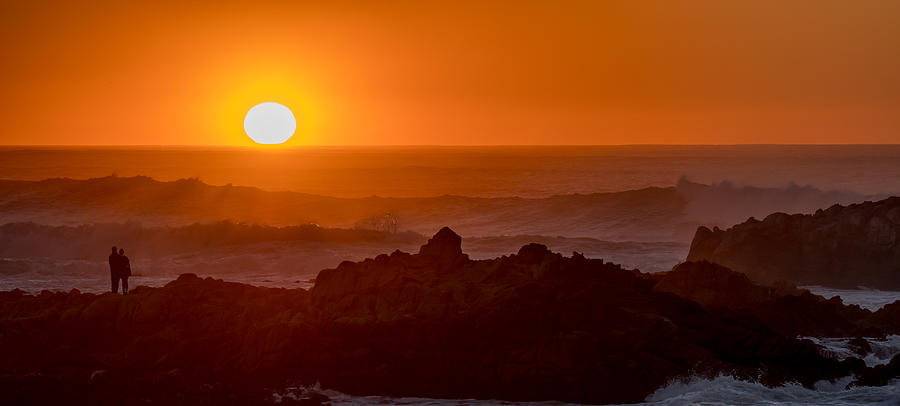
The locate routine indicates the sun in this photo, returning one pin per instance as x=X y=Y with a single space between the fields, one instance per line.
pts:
x=270 y=123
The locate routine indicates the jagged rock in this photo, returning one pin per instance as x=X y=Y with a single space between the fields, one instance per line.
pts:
x=879 y=375
x=783 y=308
x=530 y=326
x=446 y=247
x=842 y=247
x=532 y=253
x=713 y=285
x=445 y=243
x=860 y=346
x=888 y=316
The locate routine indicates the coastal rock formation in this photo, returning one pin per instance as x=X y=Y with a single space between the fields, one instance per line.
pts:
x=843 y=246
x=530 y=326
x=783 y=308
x=714 y=286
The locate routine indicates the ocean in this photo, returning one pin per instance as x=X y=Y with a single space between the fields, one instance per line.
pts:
x=633 y=205
x=474 y=171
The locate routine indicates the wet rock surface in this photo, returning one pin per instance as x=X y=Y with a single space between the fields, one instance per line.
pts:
x=530 y=326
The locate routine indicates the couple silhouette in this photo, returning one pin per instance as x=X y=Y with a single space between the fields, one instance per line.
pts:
x=119 y=268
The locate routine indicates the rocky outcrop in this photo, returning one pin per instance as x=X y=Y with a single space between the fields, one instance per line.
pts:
x=879 y=375
x=530 y=326
x=841 y=247
x=194 y=341
x=888 y=316
x=715 y=286
x=783 y=308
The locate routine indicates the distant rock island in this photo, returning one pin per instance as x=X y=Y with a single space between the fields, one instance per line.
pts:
x=534 y=325
x=843 y=246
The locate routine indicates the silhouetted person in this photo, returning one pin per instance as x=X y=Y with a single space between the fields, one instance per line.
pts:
x=124 y=270
x=114 y=265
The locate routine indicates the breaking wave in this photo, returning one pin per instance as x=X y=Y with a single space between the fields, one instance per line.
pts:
x=647 y=214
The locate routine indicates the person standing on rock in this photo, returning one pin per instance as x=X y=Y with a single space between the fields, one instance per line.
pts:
x=124 y=270
x=114 y=270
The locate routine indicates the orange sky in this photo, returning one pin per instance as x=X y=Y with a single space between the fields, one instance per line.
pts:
x=516 y=72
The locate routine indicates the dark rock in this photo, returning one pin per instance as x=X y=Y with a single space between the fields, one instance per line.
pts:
x=860 y=346
x=880 y=375
x=99 y=376
x=845 y=247
x=783 y=308
x=445 y=247
x=888 y=316
x=531 y=326
x=713 y=285
x=532 y=253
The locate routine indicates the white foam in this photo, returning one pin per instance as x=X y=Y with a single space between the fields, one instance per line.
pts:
x=883 y=349
x=725 y=390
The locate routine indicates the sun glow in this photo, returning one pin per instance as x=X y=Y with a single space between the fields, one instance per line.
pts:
x=235 y=91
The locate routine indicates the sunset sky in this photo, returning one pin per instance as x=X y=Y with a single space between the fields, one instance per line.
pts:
x=448 y=73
